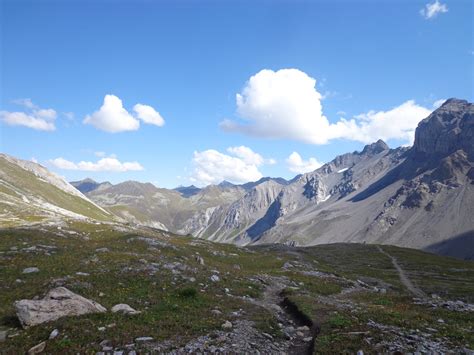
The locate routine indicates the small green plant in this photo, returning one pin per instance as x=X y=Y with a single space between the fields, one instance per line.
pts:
x=188 y=292
x=339 y=321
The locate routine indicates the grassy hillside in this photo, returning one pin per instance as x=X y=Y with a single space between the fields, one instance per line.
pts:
x=26 y=196
x=266 y=292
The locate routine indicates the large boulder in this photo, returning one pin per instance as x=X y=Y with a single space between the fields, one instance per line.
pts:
x=58 y=303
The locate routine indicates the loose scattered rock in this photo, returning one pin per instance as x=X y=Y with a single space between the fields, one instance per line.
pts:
x=215 y=278
x=125 y=309
x=30 y=270
x=216 y=312
x=143 y=339
x=3 y=335
x=227 y=325
x=37 y=348
x=58 y=303
x=54 y=334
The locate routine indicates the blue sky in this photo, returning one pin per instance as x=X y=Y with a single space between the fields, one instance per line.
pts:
x=378 y=68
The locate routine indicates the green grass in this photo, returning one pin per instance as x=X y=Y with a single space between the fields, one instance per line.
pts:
x=174 y=307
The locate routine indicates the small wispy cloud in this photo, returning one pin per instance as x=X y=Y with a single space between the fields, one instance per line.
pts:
x=33 y=116
x=432 y=10
x=296 y=164
x=109 y=164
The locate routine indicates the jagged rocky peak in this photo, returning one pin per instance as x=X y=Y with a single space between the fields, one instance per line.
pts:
x=446 y=130
x=375 y=148
x=226 y=184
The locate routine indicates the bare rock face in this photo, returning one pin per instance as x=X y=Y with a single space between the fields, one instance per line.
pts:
x=58 y=303
x=446 y=130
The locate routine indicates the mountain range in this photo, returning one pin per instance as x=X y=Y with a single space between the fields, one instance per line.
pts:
x=418 y=197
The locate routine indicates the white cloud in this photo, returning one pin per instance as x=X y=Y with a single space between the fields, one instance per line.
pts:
x=26 y=103
x=34 y=117
x=100 y=154
x=297 y=165
x=212 y=167
x=148 y=115
x=113 y=117
x=398 y=123
x=285 y=104
x=432 y=10
x=105 y=164
x=438 y=103
x=247 y=155
x=281 y=104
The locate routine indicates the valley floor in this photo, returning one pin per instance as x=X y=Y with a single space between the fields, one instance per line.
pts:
x=197 y=296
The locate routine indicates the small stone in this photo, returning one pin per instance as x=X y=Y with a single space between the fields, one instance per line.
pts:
x=360 y=352
x=268 y=336
x=307 y=339
x=215 y=278
x=102 y=250
x=304 y=328
x=3 y=335
x=300 y=334
x=30 y=270
x=118 y=352
x=107 y=348
x=125 y=309
x=19 y=281
x=54 y=334
x=226 y=325
x=101 y=329
x=101 y=294
x=440 y=320
x=216 y=312
x=82 y=273
x=143 y=339
x=37 y=348
x=199 y=259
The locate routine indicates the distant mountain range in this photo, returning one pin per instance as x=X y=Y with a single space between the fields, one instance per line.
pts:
x=419 y=197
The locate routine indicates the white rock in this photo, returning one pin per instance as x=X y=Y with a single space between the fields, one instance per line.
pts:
x=82 y=273
x=216 y=312
x=37 y=348
x=3 y=335
x=30 y=270
x=227 y=325
x=124 y=308
x=143 y=339
x=58 y=303
x=54 y=334
x=215 y=278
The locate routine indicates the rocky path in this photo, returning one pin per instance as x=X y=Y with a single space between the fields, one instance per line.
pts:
x=403 y=277
x=298 y=331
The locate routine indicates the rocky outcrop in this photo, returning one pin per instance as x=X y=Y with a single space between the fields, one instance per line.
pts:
x=446 y=130
x=58 y=303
